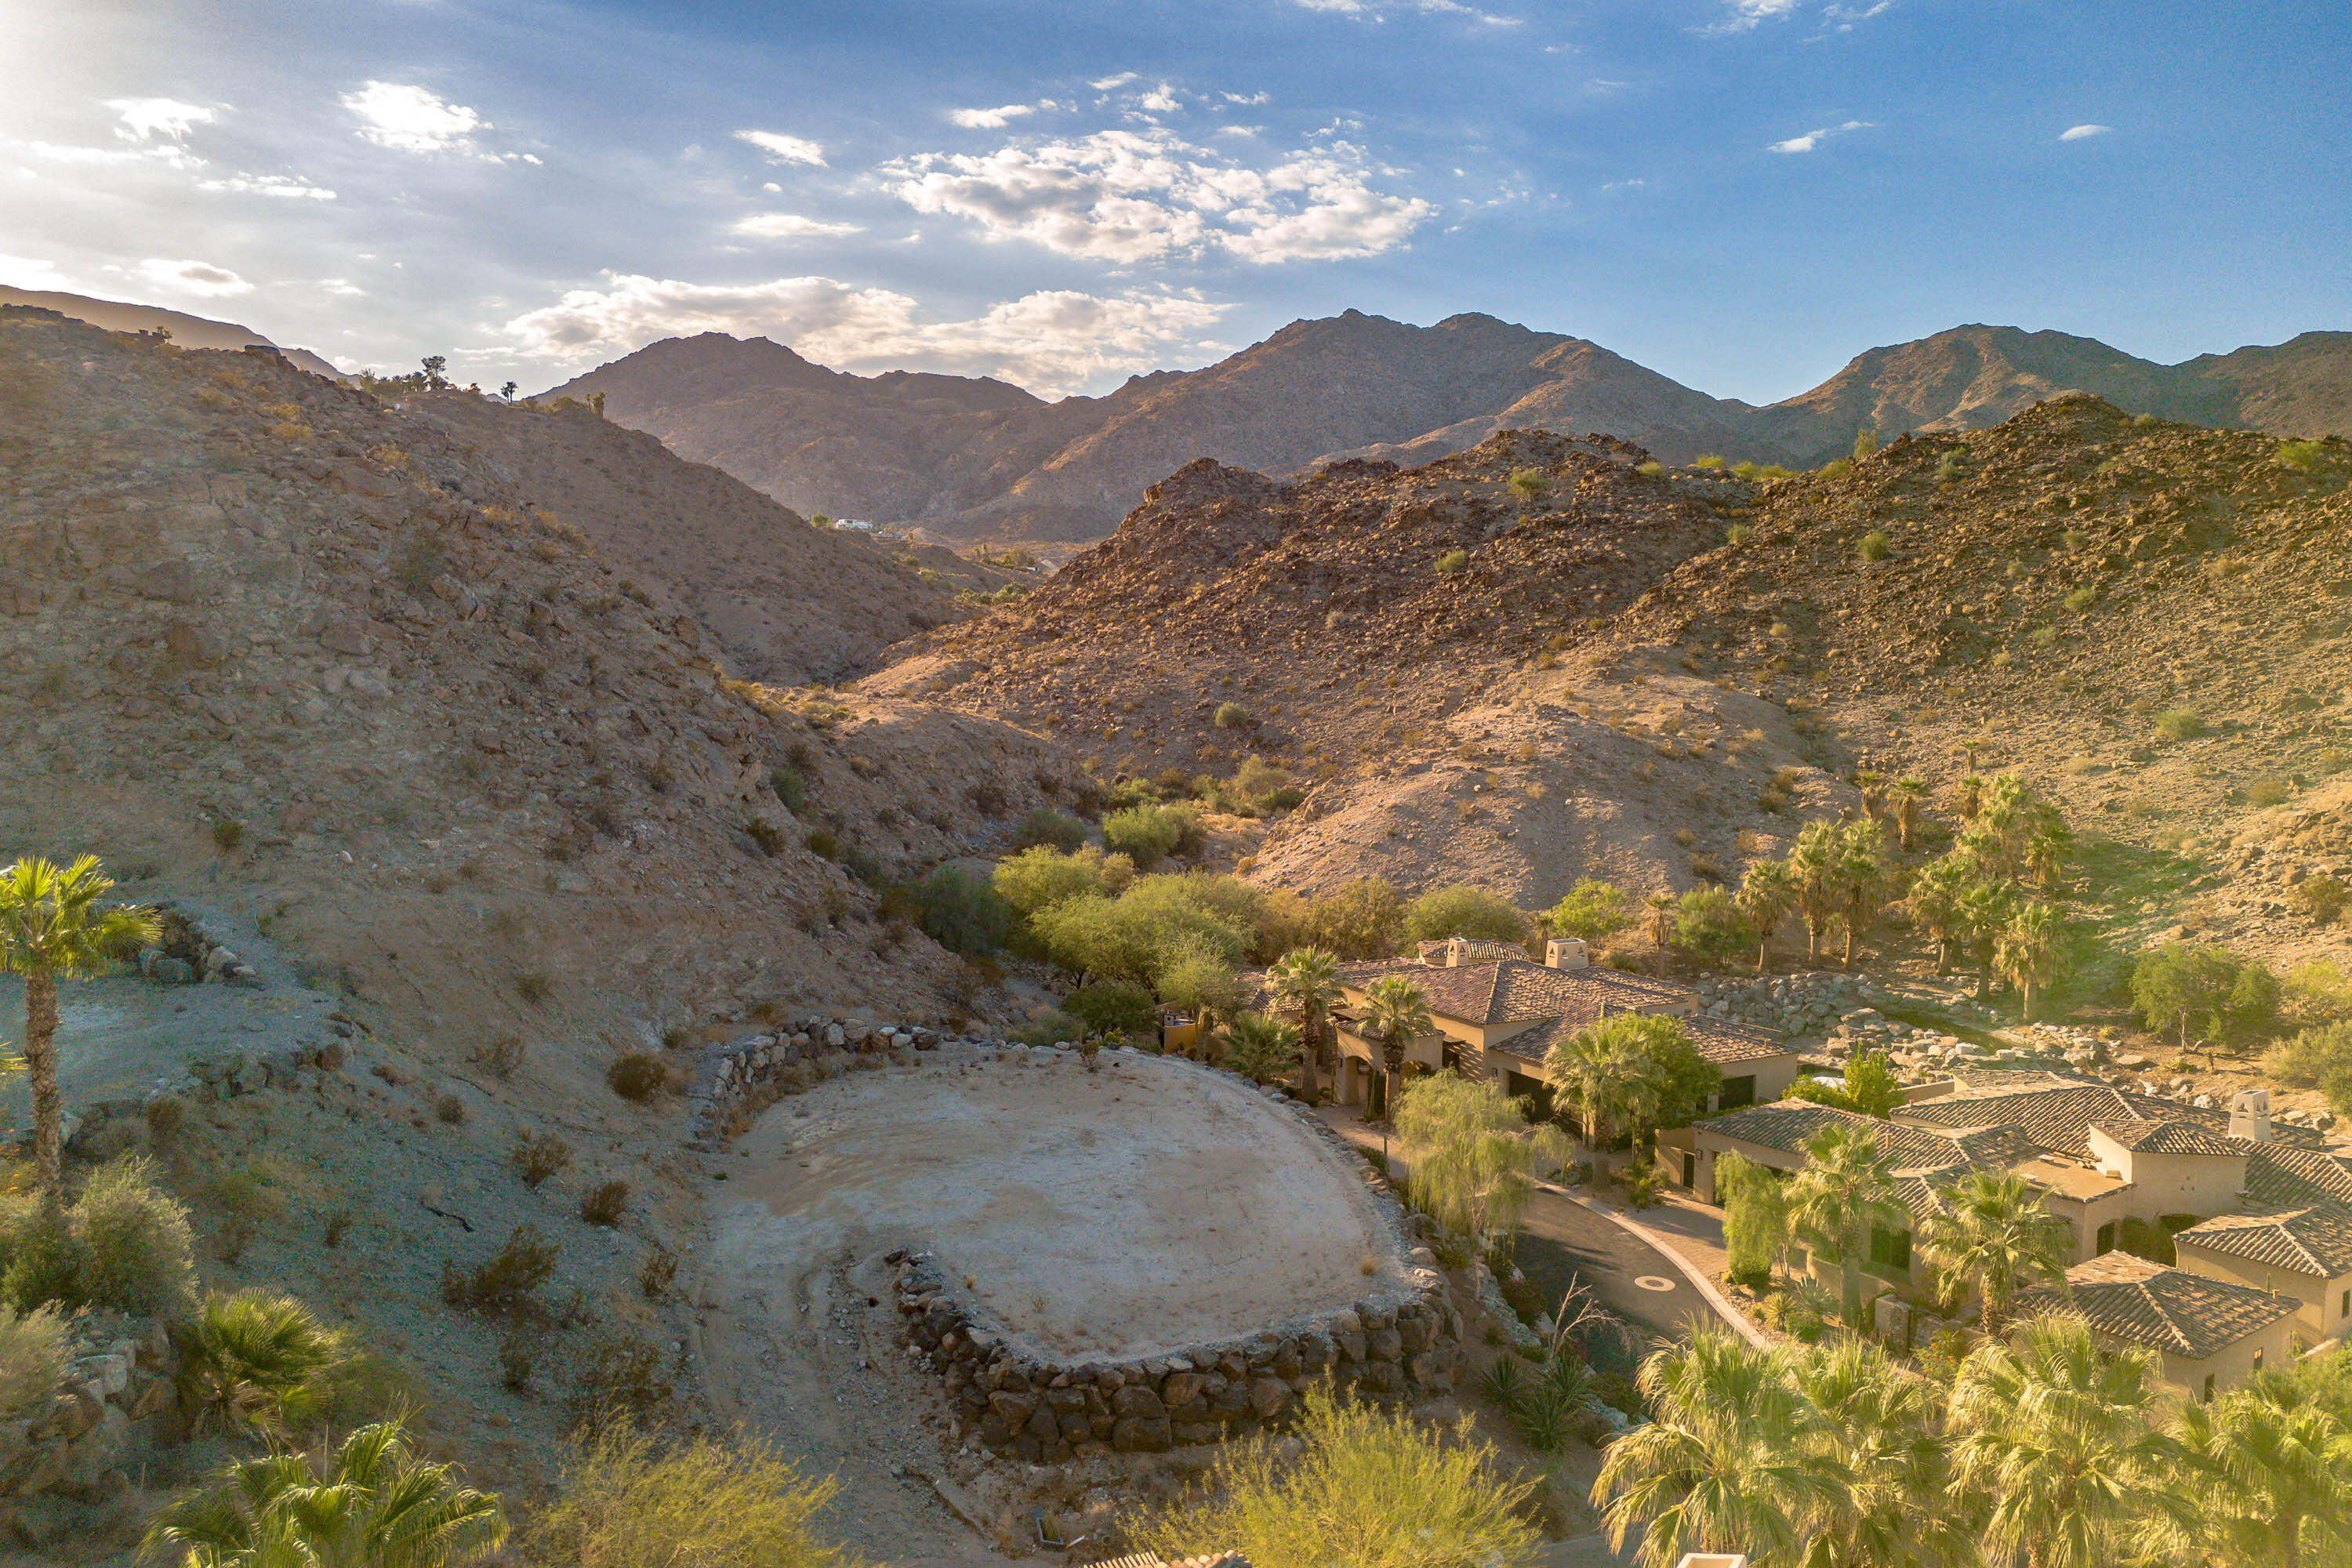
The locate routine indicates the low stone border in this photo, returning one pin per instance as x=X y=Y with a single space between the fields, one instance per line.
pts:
x=733 y=1074
x=73 y=1447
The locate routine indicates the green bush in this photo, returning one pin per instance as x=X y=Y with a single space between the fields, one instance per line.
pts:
x=502 y=1285
x=961 y=914
x=124 y=1244
x=1707 y=460
x=1738 y=534
x=32 y=1360
x=1708 y=925
x=1452 y=561
x=2179 y=724
x=1650 y=470
x=1837 y=469
x=1114 y=1007
x=627 y=1501
x=2082 y=599
x=1230 y=716
x=1145 y=834
x=1874 y=546
x=637 y=1076
x=2321 y=897
x=1052 y=826
x=1463 y=910
x=788 y=787
x=1363 y=919
x=1043 y=876
x=1593 y=910
x=2303 y=456
x=1050 y=1028
x=2318 y=1058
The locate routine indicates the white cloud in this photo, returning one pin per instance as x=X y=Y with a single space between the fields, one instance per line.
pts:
x=146 y=119
x=1813 y=139
x=793 y=225
x=1361 y=11
x=24 y=272
x=784 y=148
x=1747 y=15
x=1128 y=196
x=1247 y=99
x=2084 y=133
x=1109 y=82
x=290 y=187
x=1160 y=100
x=990 y=119
x=1050 y=341
x=201 y=278
x=409 y=119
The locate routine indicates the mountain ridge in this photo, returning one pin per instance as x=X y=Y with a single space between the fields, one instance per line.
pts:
x=188 y=332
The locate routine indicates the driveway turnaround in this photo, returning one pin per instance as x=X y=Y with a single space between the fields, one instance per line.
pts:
x=1565 y=1243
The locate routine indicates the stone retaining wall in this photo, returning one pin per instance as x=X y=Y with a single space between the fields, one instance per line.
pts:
x=72 y=1447
x=754 y=1067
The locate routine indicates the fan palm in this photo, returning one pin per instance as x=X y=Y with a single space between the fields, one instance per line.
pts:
x=370 y=1503
x=1767 y=893
x=1308 y=978
x=1843 y=1192
x=2031 y=951
x=1817 y=865
x=51 y=925
x=2272 y=1460
x=1726 y=1462
x=2058 y=1447
x=1260 y=1047
x=1396 y=1012
x=1935 y=904
x=244 y=1357
x=1985 y=910
x=1910 y=798
x=1878 y=1428
x=1991 y=1230
x=1861 y=879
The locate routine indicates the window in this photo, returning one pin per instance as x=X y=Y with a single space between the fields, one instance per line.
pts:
x=1690 y=1168
x=1891 y=1250
x=1737 y=1091
x=2207 y=1397
x=2346 y=1310
x=2106 y=1238
x=2258 y=1361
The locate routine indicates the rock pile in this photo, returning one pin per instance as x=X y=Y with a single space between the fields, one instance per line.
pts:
x=73 y=1448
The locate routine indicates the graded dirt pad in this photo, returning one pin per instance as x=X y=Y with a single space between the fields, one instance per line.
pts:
x=1117 y=1213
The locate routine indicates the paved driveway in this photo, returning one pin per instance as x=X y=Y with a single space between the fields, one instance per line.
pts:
x=1565 y=1243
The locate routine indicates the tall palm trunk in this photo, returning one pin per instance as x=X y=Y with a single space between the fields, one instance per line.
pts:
x=41 y=1066
x=2029 y=989
x=1848 y=944
x=1850 y=1275
x=1311 y=1043
x=1764 y=954
x=1943 y=956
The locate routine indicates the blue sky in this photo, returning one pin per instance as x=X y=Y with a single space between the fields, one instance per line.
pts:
x=1742 y=193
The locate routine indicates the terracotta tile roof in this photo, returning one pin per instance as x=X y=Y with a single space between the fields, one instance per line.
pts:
x=2315 y=1240
x=1465 y=995
x=2147 y=1303
x=2281 y=1177
x=2165 y=1136
x=1789 y=1125
x=2061 y=1115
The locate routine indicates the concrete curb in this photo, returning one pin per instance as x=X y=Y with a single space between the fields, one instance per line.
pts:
x=1705 y=1288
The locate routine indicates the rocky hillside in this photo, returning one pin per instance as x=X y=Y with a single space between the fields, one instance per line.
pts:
x=980 y=459
x=188 y=332
x=776 y=600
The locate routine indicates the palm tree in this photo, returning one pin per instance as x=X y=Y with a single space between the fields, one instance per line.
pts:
x=1308 y=978
x=1935 y=904
x=1985 y=910
x=2059 y=1447
x=1873 y=786
x=2047 y=852
x=1725 y=1463
x=244 y=1358
x=370 y=1503
x=1817 y=867
x=1910 y=798
x=1260 y=1047
x=1843 y=1192
x=2272 y=1457
x=1767 y=893
x=1992 y=1229
x=1396 y=1012
x=1658 y=924
x=2031 y=951
x=1861 y=878
x=50 y=925
x=1878 y=1425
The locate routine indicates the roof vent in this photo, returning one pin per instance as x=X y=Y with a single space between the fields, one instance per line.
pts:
x=1566 y=952
x=2250 y=1115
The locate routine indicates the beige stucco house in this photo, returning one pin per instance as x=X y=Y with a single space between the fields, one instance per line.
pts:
x=2207 y=1334
x=2303 y=1255
x=1498 y=1013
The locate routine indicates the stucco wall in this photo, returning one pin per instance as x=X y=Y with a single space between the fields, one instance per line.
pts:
x=2232 y=1364
x=2322 y=1311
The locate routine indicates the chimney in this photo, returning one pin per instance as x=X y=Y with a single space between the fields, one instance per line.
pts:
x=1565 y=952
x=1456 y=950
x=2250 y=1115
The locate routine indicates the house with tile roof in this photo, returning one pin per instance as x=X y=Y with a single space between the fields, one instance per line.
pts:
x=2301 y=1255
x=1498 y=1013
x=2207 y=1334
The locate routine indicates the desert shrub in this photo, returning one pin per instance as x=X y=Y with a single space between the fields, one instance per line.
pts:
x=2268 y=792
x=1463 y=910
x=137 y=1252
x=164 y=1117
x=449 y=1108
x=1196 y=980
x=1708 y=926
x=1875 y=546
x=657 y=1273
x=1042 y=874
x=1365 y=919
x=1650 y=469
x=2082 y=599
x=1413 y=1497
x=255 y=1358
x=1141 y=833
x=502 y=1056
x=1452 y=561
x=533 y=987
x=32 y=1359
x=515 y=1363
x=1838 y=468
x=961 y=914
x=537 y=1157
x=1050 y=825
x=227 y=835
x=620 y=1377
x=2179 y=724
x=2042 y=637
x=605 y=1203
x=2318 y=1058
x=1050 y=1028
x=637 y=1076
x=2303 y=456
x=2321 y=897
x=788 y=787
x=824 y=844
x=1593 y=909
x=502 y=1284
x=624 y=1502
x=1707 y=460
x=1230 y=716
x=769 y=838
x=1114 y=1007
